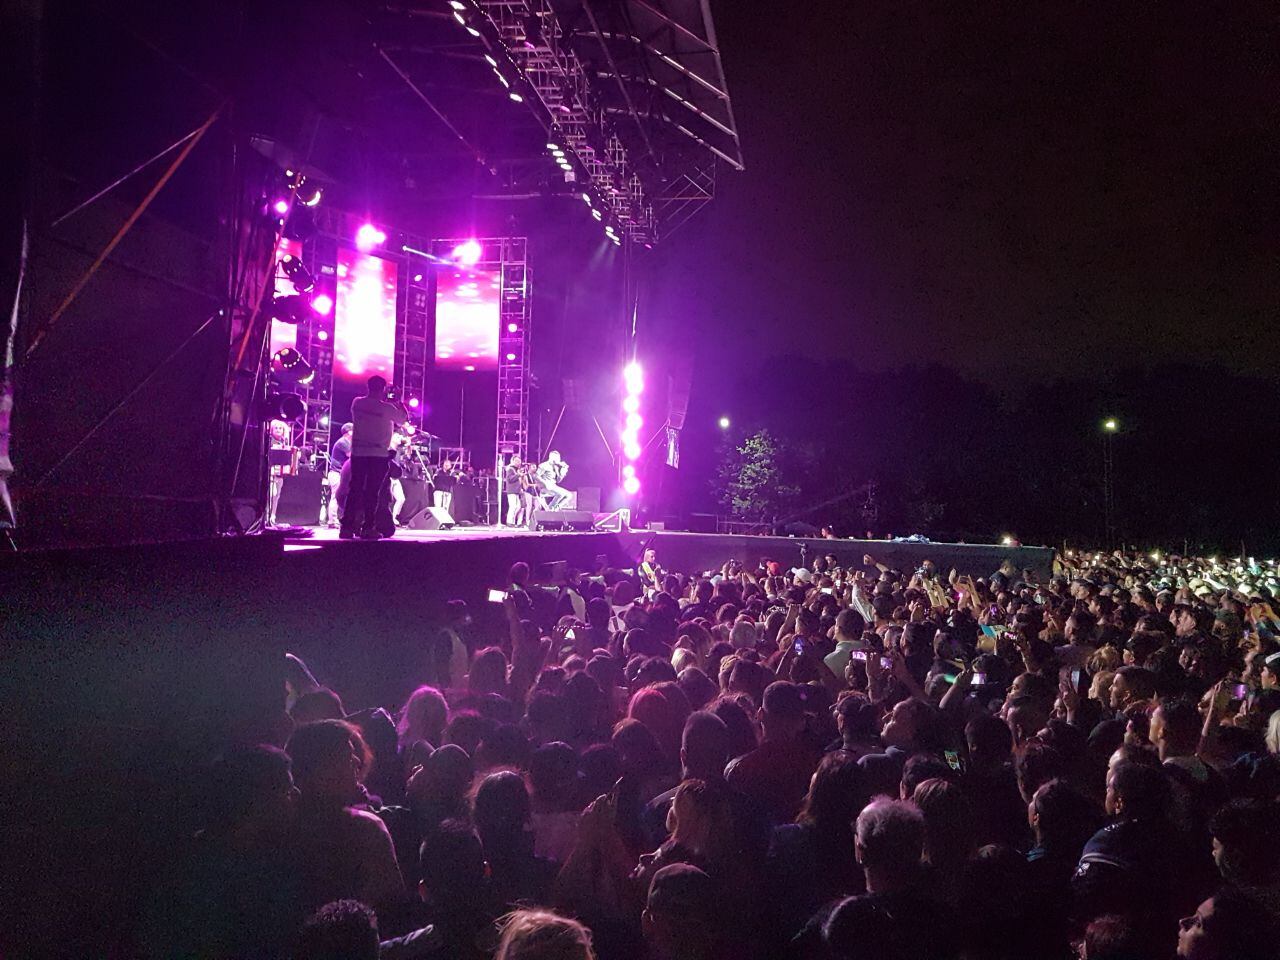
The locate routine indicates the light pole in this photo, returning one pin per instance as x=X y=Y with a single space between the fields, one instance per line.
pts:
x=1109 y=428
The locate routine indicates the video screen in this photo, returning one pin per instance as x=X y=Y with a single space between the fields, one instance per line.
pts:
x=364 y=327
x=467 y=317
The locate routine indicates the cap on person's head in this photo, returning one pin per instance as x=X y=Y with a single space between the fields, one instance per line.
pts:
x=773 y=568
x=683 y=894
x=803 y=575
x=784 y=699
x=1272 y=663
x=743 y=636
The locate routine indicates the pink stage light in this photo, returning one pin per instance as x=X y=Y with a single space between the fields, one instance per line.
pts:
x=634 y=421
x=632 y=451
x=468 y=253
x=633 y=375
x=322 y=336
x=322 y=304
x=630 y=404
x=368 y=237
x=413 y=403
x=631 y=486
x=512 y=328
x=629 y=470
x=281 y=207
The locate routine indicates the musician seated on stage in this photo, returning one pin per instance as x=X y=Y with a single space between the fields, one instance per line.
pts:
x=551 y=473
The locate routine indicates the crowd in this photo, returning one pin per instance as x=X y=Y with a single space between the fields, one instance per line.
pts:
x=819 y=763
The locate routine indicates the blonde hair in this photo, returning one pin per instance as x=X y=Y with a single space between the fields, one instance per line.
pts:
x=543 y=935
x=1273 y=733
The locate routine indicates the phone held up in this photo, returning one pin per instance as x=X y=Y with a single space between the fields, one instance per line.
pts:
x=497 y=596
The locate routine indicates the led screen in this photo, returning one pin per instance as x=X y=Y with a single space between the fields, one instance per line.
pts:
x=364 y=328
x=467 y=315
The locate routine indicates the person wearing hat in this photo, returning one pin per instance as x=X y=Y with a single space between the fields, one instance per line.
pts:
x=681 y=915
x=1271 y=672
x=776 y=774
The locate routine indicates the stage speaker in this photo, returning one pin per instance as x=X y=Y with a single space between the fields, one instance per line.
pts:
x=431 y=518
x=563 y=519
x=300 y=499
x=589 y=499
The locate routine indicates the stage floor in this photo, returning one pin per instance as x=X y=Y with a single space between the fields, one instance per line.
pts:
x=327 y=535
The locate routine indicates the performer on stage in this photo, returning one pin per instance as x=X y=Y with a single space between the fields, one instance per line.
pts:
x=512 y=487
x=551 y=473
x=374 y=420
x=530 y=489
x=443 y=483
x=338 y=456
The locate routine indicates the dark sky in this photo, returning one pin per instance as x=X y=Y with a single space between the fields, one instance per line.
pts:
x=1018 y=191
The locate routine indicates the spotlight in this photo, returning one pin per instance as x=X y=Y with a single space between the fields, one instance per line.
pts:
x=553 y=146
x=633 y=374
x=322 y=304
x=724 y=423
x=324 y=420
x=631 y=486
x=557 y=152
x=282 y=406
x=290 y=308
x=631 y=450
x=586 y=198
x=468 y=253
x=1111 y=425
x=297 y=273
x=630 y=404
x=457 y=15
x=457 y=4
x=413 y=402
x=308 y=195
x=473 y=31
x=417 y=278
x=510 y=357
x=368 y=237
x=292 y=367
x=515 y=97
x=596 y=213
x=322 y=335
x=634 y=421
x=492 y=62
x=512 y=328
x=281 y=206
x=628 y=469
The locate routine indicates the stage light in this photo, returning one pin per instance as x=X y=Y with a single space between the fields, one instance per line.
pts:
x=473 y=31
x=557 y=152
x=512 y=328
x=289 y=308
x=322 y=335
x=631 y=486
x=628 y=469
x=282 y=406
x=281 y=207
x=457 y=15
x=468 y=253
x=307 y=194
x=368 y=237
x=633 y=374
x=586 y=198
x=501 y=79
x=324 y=420
x=553 y=146
x=457 y=4
x=322 y=304
x=724 y=423
x=297 y=273
x=630 y=404
x=292 y=367
x=511 y=356
x=492 y=62
x=631 y=451
x=1007 y=540
x=634 y=421
x=515 y=97
x=596 y=213
x=1111 y=425
x=413 y=403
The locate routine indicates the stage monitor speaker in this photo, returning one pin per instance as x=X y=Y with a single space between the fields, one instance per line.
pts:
x=563 y=519
x=589 y=499
x=431 y=518
x=300 y=499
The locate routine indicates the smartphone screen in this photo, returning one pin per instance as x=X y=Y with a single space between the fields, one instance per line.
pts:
x=858 y=654
x=1239 y=691
x=886 y=662
x=953 y=759
x=569 y=635
x=1075 y=678
x=979 y=679
x=798 y=645
x=497 y=596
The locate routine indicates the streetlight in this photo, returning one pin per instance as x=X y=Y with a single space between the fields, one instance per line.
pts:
x=724 y=423
x=1109 y=427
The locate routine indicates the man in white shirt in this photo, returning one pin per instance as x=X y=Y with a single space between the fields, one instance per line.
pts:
x=374 y=419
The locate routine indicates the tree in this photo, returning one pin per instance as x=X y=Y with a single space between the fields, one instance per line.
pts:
x=749 y=482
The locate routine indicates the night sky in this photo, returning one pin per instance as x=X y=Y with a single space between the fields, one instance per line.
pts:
x=1022 y=194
